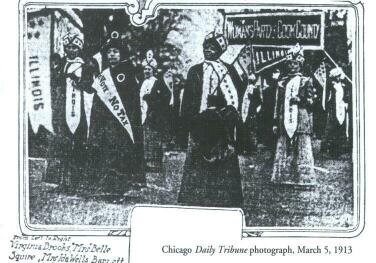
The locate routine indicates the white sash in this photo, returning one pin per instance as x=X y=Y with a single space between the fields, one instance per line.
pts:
x=98 y=58
x=181 y=96
x=246 y=101
x=107 y=92
x=146 y=88
x=215 y=72
x=170 y=86
x=88 y=105
x=291 y=111
x=340 y=104
x=73 y=95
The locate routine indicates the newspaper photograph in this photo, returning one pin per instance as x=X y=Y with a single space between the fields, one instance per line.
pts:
x=140 y=118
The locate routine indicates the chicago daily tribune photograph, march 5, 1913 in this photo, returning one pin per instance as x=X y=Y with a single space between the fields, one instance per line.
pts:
x=253 y=107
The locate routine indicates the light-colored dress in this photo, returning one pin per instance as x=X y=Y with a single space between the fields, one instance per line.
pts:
x=294 y=162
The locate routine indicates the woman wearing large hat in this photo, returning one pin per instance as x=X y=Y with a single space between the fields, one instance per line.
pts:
x=116 y=135
x=337 y=105
x=68 y=75
x=294 y=162
x=210 y=110
x=161 y=101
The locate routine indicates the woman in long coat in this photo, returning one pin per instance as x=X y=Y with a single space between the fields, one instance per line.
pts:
x=337 y=125
x=251 y=106
x=157 y=102
x=152 y=138
x=294 y=162
x=67 y=149
x=116 y=135
x=209 y=108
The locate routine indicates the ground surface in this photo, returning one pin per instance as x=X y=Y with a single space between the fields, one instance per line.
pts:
x=329 y=204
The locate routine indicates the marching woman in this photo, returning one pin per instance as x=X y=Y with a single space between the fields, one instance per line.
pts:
x=251 y=106
x=162 y=101
x=336 y=132
x=70 y=125
x=210 y=110
x=293 y=162
x=116 y=136
x=151 y=118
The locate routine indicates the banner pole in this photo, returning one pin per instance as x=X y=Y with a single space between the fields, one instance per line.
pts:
x=335 y=64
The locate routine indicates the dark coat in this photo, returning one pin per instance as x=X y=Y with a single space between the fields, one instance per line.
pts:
x=335 y=139
x=193 y=91
x=207 y=183
x=113 y=154
x=66 y=148
x=266 y=122
x=161 y=115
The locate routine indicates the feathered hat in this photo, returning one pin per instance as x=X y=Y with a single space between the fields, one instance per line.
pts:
x=218 y=39
x=76 y=39
x=114 y=41
x=149 y=60
x=296 y=54
x=337 y=72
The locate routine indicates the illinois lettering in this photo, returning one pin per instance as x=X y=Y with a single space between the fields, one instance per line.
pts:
x=36 y=90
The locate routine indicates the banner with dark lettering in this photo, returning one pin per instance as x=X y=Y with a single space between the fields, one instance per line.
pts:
x=106 y=91
x=37 y=73
x=265 y=57
x=276 y=29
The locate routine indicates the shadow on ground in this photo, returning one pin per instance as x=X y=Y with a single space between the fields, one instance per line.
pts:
x=329 y=204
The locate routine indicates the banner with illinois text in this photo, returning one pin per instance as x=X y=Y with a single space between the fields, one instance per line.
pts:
x=37 y=73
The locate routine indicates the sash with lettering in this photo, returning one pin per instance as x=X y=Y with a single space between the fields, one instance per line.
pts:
x=106 y=91
x=291 y=111
x=73 y=95
x=37 y=74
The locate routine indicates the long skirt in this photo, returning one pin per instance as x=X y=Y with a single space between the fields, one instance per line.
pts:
x=210 y=184
x=154 y=146
x=67 y=158
x=335 y=141
x=294 y=162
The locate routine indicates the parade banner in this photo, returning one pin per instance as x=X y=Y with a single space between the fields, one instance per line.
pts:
x=37 y=74
x=106 y=91
x=266 y=57
x=276 y=29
